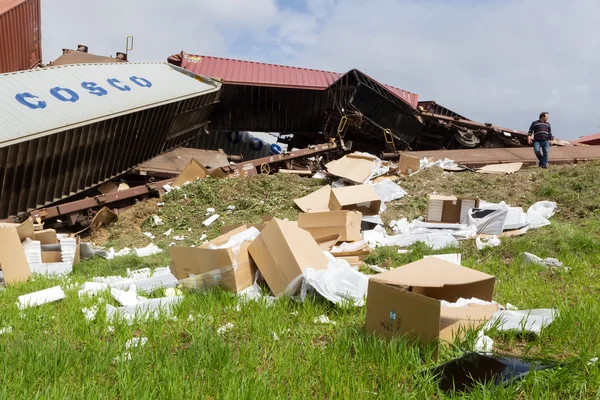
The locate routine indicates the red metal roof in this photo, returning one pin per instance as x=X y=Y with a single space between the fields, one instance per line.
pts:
x=589 y=139
x=255 y=73
x=6 y=5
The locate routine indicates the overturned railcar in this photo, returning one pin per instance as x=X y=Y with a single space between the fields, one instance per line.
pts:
x=68 y=128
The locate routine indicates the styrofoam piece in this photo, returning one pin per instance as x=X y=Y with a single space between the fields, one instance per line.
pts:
x=210 y=211
x=5 y=330
x=52 y=269
x=210 y=220
x=323 y=319
x=528 y=320
x=89 y=313
x=68 y=248
x=225 y=328
x=149 y=235
x=33 y=251
x=349 y=246
x=92 y=288
x=168 y=233
x=136 y=342
x=149 y=250
x=126 y=298
x=483 y=344
x=544 y=262
x=376 y=268
x=145 y=310
x=455 y=258
x=157 y=220
x=41 y=297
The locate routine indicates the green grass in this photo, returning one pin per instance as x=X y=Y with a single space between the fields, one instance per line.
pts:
x=54 y=353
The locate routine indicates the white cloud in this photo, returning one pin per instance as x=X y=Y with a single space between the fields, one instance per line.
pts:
x=499 y=61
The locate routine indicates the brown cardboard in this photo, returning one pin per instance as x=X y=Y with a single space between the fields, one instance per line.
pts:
x=13 y=262
x=406 y=300
x=191 y=173
x=393 y=178
x=346 y=224
x=409 y=164
x=51 y=257
x=327 y=242
x=500 y=169
x=362 y=198
x=230 y=271
x=228 y=228
x=47 y=236
x=25 y=229
x=450 y=208
x=355 y=167
x=317 y=201
x=103 y=217
x=108 y=187
x=283 y=251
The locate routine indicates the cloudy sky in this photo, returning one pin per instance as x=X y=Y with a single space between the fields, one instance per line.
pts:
x=499 y=61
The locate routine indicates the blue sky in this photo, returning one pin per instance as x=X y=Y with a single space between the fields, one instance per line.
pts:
x=494 y=61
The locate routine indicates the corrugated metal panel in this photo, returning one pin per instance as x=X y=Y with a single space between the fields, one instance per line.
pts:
x=20 y=35
x=44 y=101
x=261 y=74
x=589 y=139
x=435 y=108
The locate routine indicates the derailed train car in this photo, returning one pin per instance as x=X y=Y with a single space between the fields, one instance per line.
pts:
x=69 y=128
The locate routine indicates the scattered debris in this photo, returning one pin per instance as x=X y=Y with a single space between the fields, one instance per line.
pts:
x=168 y=233
x=149 y=235
x=487 y=242
x=136 y=342
x=143 y=310
x=225 y=328
x=89 y=313
x=211 y=220
x=323 y=319
x=500 y=169
x=5 y=330
x=483 y=344
x=455 y=258
x=526 y=320
x=546 y=262
x=157 y=220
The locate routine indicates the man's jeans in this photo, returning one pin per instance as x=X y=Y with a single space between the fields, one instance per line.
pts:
x=542 y=150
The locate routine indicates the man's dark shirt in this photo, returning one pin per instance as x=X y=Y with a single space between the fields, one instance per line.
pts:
x=541 y=131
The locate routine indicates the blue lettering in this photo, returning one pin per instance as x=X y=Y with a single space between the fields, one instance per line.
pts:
x=94 y=88
x=256 y=144
x=114 y=83
x=275 y=149
x=22 y=98
x=141 y=81
x=234 y=137
x=56 y=92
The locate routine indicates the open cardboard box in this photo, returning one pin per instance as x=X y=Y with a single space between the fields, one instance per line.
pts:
x=346 y=224
x=406 y=301
x=450 y=209
x=355 y=167
x=282 y=252
x=361 y=198
x=202 y=267
x=409 y=164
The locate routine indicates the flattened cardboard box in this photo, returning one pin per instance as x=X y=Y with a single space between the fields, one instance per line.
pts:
x=407 y=301
x=283 y=251
x=317 y=201
x=346 y=224
x=354 y=167
x=217 y=265
x=13 y=262
x=361 y=198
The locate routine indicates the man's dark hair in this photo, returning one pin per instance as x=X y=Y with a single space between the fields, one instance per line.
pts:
x=543 y=114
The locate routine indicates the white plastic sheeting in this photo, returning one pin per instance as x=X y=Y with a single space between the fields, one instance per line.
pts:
x=491 y=223
x=388 y=190
x=483 y=343
x=539 y=214
x=339 y=282
x=436 y=240
x=525 y=320
x=543 y=262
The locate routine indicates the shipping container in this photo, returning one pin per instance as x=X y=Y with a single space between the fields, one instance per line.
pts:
x=20 y=35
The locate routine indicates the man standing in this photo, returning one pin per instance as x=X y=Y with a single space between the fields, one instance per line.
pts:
x=540 y=133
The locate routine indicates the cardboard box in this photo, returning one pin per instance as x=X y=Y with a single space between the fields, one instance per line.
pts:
x=326 y=243
x=317 y=201
x=361 y=198
x=409 y=164
x=407 y=301
x=13 y=262
x=46 y=236
x=230 y=268
x=228 y=228
x=282 y=252
x=346 y=224
x=450 y=209
x=355 y=167
x=24 y=230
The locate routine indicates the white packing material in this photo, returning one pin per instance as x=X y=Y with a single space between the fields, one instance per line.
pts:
x=376 y=268
x=92 y=288
x=179 y=238
x=454 y=258
x=210 y=211
x=147 y=309
x=438 y=225
x=515 y=219
x=528 y=320
x=462 y=302
x=235 y=243
x=7 y=329
x=210 y=220
x=339 y=282
x=489 y=220
x=143 y=279
x=388 y=190
x=136 y=342
x=149 y=250
x=125 y=298
x=41 y=297
x=89 y=313
x=400 y=226
x=33 y=251
x=543 y=262
x=487 y=242
x=436 y=240
x=349 y=246
x=319 y=175
x=323 y=319
x=149 y=235
x=52 y=269
x=172 y=292
x=372 y=219
x=110 y=254
x=225 y=328
x=539 y=214
x=483 y=344
x=157 y=220
x=168 y=233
